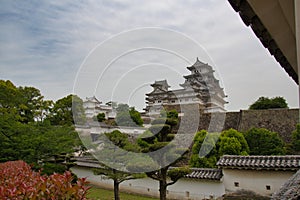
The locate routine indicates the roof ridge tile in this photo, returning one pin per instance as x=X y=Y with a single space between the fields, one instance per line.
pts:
x=260 y=162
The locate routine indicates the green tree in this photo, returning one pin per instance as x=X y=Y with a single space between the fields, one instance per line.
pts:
x=264 y=142
x=100 y=117
x=232 y=142
x=117 y=176
x=159 y=136
x=44 y=110
x=230 y=146
x=35 y=142
x=121 y=107
x=9 y=95
x=31 y=102
x=24 y=134
x=229 y=142
x=128 y=116
x=118 y=156
x=267 y=103
x=11 y=100
x=27 y=103
x=10 y=128
x=206 y=141
x=136 y=116
x=67 y=111
x=295 y=144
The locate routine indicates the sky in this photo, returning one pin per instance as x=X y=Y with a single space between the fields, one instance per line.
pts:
x=116 y=49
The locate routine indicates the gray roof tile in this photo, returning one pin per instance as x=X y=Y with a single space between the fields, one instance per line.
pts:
x=205 y=173
x=288 y=162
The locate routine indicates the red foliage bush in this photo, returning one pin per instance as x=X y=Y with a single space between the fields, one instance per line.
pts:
x=19 y=181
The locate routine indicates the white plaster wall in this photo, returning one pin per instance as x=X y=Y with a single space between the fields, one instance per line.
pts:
x=183 y=189
x=123 y=129
x=92 y=109
x=255 y=180
x=88 y=104
x=197 y=189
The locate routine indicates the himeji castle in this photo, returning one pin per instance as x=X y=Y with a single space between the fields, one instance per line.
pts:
x=200 y=87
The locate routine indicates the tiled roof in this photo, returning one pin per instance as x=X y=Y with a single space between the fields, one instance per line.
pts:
x=250 y=18
x=204 y=173
x=197 y=173
x=289 y=162
x=162 y=82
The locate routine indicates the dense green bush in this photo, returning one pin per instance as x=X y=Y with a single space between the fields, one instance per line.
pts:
x=295 y=144
x=209 y=147
x=264 y=142
x=100 y=117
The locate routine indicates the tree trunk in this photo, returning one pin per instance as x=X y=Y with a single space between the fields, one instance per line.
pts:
x=116 y=190
x=162 y=190
x=163 y=184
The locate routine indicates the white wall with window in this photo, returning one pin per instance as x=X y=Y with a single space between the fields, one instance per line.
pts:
x=264 y=182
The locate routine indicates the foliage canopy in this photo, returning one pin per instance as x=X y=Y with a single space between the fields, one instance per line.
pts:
x=156 y=138
x=230 y=142
x=111 y=153
x=128 y=116
x=295 y=144
x=267 y=103
x=100 y=117
x=28 y=130
x=264 y=142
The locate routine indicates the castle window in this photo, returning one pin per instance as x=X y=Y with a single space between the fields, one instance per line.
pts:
x=268 y=187
x=173 y=101
x=236 y=184
x=158 y=101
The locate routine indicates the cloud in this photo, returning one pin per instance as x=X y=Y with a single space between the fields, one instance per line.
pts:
x=44 y=43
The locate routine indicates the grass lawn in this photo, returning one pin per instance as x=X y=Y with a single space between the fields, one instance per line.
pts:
x=102 y=194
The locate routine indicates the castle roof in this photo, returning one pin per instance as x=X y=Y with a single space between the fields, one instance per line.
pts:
x=163 y=83
x=198 y=64
x=92 y=99
x=288 y=162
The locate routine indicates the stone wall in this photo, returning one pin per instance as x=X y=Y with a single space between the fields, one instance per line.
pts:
x=282 y=121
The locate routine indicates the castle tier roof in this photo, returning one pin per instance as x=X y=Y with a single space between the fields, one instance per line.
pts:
x=193 y=75
x=160 y=83
x=92 y=99
x=288 y=162
x=198 y=64
x=155 y=92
